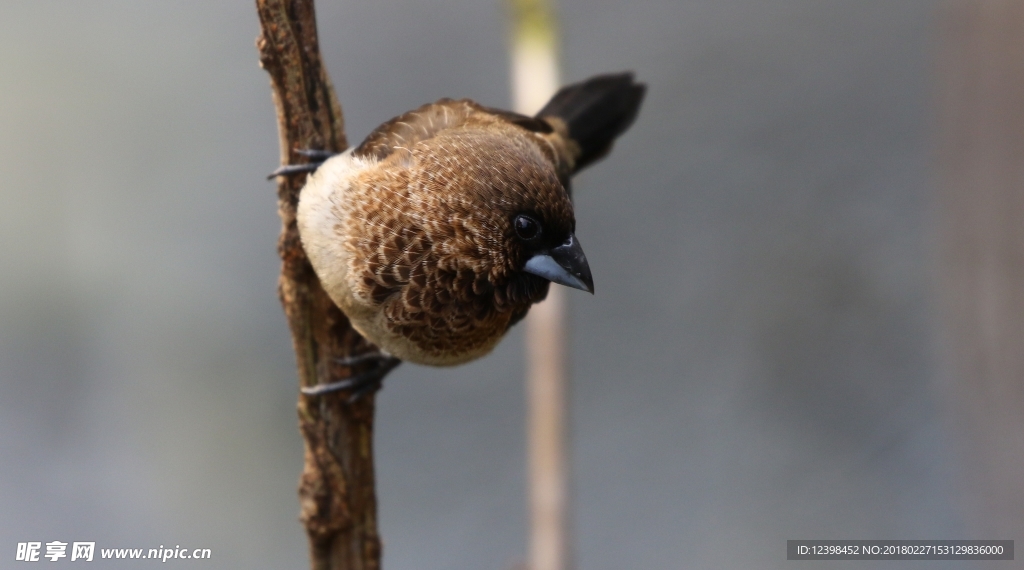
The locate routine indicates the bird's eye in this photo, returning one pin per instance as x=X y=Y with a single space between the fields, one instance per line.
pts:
x=527 y=228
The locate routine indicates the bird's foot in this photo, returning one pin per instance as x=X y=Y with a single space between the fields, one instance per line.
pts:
x=317 y=157
x=359 y=384
x=376 y=356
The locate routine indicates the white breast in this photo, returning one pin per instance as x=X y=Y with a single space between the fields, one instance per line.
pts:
x=321 y=213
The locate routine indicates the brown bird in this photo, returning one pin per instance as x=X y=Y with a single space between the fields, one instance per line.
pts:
x=437 y=233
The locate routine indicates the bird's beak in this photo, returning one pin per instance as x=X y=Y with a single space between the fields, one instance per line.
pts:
x=565 y=265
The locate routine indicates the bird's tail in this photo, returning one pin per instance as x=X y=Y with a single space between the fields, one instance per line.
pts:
x=596 y=111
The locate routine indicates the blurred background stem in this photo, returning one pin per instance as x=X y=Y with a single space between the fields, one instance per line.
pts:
x=535 y=78
x=981 y=246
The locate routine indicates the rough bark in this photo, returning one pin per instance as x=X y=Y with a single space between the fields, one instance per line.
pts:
x=336 y=489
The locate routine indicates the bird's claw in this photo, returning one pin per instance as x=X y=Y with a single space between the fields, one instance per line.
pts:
x=315 y=154
x=317 y=157
x=364 y=357
x=359 y=384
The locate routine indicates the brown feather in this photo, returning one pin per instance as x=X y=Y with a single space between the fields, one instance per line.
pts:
x=429 y=236
x=412 y=232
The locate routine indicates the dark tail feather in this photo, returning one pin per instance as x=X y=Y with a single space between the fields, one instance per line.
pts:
x=596 y=111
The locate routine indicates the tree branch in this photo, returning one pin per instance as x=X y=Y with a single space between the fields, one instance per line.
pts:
x=336 y=490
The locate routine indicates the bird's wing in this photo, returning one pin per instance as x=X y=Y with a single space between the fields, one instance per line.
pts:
x=550 y=135
x=404 y=131
x=417 y=125
x=532 y=124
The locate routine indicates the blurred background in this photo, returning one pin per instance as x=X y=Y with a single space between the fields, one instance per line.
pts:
x=767 y=356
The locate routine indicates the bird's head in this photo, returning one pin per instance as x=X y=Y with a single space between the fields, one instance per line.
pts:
x=506 y=200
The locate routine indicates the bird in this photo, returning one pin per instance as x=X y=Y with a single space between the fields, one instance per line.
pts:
x=437 y=233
